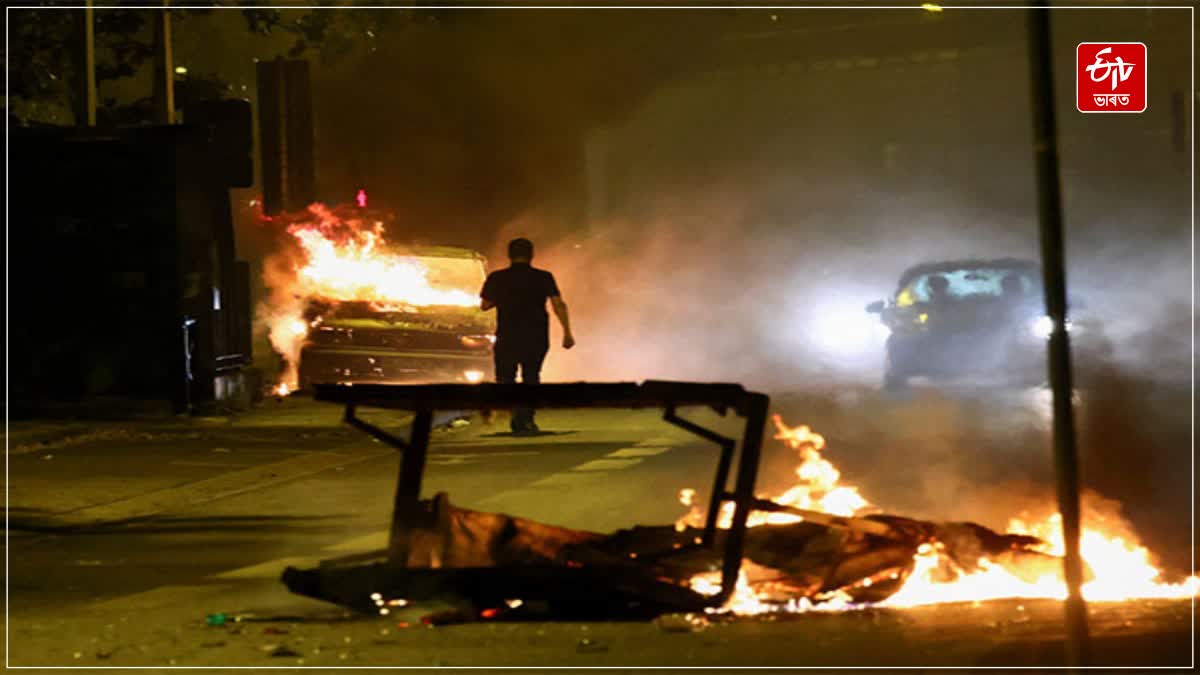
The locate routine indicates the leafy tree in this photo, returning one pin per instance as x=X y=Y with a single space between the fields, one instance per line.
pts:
x=42 y=70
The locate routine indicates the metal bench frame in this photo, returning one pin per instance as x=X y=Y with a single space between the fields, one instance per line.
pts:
x=424 y=400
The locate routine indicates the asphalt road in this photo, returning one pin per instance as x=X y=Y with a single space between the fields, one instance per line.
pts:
x=124 y=538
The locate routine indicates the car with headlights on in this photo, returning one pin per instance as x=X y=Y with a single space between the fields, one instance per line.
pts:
x=983 y=319
x=358 y=341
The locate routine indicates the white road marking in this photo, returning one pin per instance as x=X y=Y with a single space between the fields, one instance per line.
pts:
x=270 y=569
x=450 y=459
x=368 y=542
x=616 y=460
x=161 y=596
x=639 y=451
x=566 y=478
x=606 y=464
x=211 y=465
x=218 y=487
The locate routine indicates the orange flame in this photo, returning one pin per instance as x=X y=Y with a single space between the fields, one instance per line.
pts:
x=817 y=489
x=1122 y=568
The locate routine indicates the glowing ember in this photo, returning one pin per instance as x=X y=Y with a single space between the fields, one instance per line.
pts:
x=743 y=601
x=344 y=256
x=1121 y=568
x=746 y=601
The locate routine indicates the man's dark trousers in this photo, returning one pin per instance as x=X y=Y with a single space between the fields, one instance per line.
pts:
x=529 y=356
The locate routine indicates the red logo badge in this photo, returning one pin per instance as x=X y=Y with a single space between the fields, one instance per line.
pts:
x=1110 y=77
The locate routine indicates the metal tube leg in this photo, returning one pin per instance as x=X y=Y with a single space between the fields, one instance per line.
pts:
x=743 y=495
x=406 y=510
x=720 y=481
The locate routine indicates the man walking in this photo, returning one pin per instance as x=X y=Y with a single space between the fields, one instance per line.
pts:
x=519 y=294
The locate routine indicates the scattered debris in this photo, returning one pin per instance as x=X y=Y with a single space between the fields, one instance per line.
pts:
x=74 y=437
x=682 y=623
x=590 y=646
x=480 y=563
x=282 y=651
x=446 y=618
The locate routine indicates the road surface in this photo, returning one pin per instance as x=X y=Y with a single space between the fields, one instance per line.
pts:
x=124 y=537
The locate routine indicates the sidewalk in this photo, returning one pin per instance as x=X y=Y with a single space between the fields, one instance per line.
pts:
x=70 y=473
x=73 y=473
x=291 y=413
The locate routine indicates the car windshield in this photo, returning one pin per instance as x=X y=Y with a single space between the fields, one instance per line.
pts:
x=374 y=313
x=463 y=274
x=969 y=282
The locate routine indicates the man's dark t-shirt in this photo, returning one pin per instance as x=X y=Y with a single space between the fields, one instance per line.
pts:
x=519 y=293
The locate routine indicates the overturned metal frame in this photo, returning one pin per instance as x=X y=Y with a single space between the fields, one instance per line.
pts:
x=424 y=400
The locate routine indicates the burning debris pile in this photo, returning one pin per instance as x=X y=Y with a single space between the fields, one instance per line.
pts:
x=333 y=256
x=937 y=562
x=843 y=553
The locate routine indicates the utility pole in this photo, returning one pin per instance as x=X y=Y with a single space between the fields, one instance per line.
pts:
x=164 y=69
x=1049 y=198
x=85 y=67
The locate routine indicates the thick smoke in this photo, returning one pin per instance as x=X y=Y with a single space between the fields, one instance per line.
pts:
x=701 y=288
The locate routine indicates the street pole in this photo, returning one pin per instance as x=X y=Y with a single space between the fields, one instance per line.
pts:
x=89 y=33
x=164 y=69
x=1049 y=197
x=85 y=68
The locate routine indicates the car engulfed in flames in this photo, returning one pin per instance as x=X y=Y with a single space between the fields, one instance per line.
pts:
x=366 y=341
x=346 y=305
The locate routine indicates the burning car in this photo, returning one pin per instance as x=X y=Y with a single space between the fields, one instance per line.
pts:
x=972 y=317
x=441 y=337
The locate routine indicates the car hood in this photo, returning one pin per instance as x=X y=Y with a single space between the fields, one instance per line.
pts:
x=469 y=320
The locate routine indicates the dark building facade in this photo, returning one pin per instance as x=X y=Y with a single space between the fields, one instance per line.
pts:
x=123 y=281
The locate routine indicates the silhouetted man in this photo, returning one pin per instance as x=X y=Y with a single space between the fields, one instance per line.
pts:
x=519 y=294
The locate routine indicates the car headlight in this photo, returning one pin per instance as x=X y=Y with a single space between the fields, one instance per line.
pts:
x=846 y=333
x=1043 y=326
x=477 y=341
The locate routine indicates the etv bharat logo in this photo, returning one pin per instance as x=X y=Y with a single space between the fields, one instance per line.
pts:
x=1110 y=77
